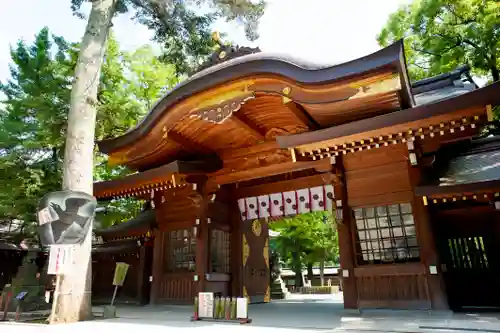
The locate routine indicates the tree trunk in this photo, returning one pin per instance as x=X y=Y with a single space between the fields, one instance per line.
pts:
x=310 y=273
x=495 y=73
x=297 y=268
x=322 y=272
x=73 y=292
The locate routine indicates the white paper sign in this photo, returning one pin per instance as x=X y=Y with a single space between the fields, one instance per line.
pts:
x=241 y=308
x=206 y=305
x=44 y=216
x=60 y=259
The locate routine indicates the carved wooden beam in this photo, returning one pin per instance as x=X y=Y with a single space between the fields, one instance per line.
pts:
x=285 y=185
x=242 y=121
x=270 y=170
x=188 y=144
x=302 y=115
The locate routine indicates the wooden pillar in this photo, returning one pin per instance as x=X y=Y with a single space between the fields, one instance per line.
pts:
x=429 y=256
x=157 y=266
x=427 y=243
x=140 y=274
x=236 y=251
x=346 y=246
x=202 y=238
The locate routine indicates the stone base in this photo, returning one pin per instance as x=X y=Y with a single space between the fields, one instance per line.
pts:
x=109 y=311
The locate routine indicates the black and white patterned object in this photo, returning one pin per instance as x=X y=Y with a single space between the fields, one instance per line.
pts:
x=289 y=203
x=65 y=217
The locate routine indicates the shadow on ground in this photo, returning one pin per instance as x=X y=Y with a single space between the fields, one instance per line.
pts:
x=310 y=313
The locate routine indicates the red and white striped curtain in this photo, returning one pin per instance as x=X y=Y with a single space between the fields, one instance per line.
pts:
x=290 y=203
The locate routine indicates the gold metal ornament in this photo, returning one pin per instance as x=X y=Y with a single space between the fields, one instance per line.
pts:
x=266 y=252
x=267 y=296
x=246 y=250
x=256 y=228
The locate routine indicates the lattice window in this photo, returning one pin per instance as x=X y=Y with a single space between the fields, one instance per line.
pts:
x=386 y=234
x=180 y=252
x=220 y=251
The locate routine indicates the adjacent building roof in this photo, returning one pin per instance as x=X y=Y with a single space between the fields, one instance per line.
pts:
x=464 y=167
x=7 y=246
x=169 y=175
x=443 y=86
x=116 y=246
x=140 y=224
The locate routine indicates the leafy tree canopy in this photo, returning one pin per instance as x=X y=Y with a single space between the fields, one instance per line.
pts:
x=183 y=26
x=440 y=35
x=33 y=118
x=306 y=239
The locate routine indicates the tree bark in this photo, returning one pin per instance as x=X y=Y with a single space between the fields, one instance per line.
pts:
x=73 y=300
x=297 y=267
x=322 y=272
x=495 y=73
x=310 y=273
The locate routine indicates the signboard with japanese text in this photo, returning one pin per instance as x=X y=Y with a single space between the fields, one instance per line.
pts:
x=60 y=259
x=206 y=305
x=120 y=273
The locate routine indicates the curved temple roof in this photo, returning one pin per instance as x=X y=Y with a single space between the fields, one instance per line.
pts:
x=261 y=64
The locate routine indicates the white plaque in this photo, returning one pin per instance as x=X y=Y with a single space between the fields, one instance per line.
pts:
x=206 y=305
x=433 y=270
x=60 y=259
x=241 y=308
x=45 y=216
x=345 y=273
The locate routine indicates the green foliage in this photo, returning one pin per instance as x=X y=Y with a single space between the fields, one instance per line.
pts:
x=306 y=239
x=32 y=122
x=34 y=112
x=440 y=35
x=182 y=30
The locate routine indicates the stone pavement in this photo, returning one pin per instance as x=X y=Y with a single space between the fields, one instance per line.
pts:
x=300 y=314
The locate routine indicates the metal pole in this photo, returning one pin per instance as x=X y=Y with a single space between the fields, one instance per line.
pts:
x=114 y=296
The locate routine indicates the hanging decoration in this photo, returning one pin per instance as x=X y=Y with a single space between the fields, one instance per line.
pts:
x=314 y=199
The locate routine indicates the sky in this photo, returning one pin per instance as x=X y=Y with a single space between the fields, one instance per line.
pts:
x=321 y=31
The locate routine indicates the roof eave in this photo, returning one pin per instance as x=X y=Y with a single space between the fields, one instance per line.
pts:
x=458 y=189
x=483 y=96
x=246 y=66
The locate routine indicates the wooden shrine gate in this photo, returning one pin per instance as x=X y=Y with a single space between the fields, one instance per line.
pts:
x=468 y=243
x=255 y=214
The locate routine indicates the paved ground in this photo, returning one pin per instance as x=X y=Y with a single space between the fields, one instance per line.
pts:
x=300 y=314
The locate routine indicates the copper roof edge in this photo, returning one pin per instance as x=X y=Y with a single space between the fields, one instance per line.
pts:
x=260 y=63
x=458 y=189
x=483 y=96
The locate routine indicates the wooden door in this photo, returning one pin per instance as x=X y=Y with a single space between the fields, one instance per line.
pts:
x=256 y=261
x=179 y=266
x=468 y=246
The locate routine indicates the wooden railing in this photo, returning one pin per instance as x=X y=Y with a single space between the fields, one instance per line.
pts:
x=393 y=286
x=177 y=288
